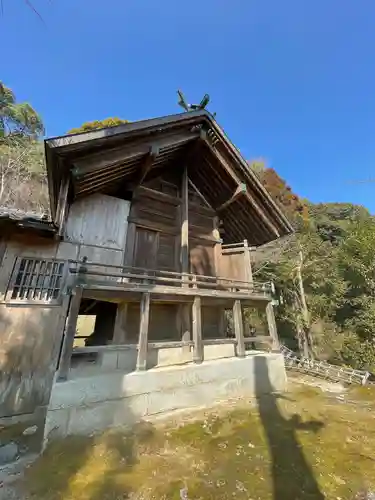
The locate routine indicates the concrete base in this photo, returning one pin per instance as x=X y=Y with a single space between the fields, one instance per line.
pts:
x=125 y=359
x=91 y=404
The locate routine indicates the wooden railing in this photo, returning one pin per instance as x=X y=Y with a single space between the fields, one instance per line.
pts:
x=125 y=276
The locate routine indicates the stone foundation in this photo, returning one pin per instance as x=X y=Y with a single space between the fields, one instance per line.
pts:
x=91 y=404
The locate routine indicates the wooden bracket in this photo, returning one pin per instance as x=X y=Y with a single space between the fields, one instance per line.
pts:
x=199 y=193
x=240 y=191
x=146 y=166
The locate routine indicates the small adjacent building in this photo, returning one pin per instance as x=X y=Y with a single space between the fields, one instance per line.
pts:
x=144 y=261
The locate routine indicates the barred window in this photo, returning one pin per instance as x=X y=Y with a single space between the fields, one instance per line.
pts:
x=37 y=280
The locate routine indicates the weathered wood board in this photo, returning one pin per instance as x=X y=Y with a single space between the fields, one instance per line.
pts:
x=98 y=220
x=30 y=340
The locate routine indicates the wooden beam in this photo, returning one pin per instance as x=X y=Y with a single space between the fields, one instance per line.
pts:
x=62 y=205
x=253 y=299
x=238 y=328
x=272 y=329
x=119 y=334
x=260 y=339
x=143 y=332
x=146 y=166
x=197 y=331
x=240 y=191
x=199 y=194
x=70 y=331
x=106 y=160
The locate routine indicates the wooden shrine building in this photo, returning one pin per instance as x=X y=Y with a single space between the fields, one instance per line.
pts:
x=150 y=233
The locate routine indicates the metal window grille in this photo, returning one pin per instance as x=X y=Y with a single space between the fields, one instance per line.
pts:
x=37 y=280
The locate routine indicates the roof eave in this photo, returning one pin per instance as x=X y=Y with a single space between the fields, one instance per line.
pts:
x=288 y=227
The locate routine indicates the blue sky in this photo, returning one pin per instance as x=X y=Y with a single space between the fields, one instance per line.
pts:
x=291 y=81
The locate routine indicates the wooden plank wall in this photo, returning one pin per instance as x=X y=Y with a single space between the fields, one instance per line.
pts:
x=29 y=346
x=156 y=213
x=232 y=265
x=98 y=220
x=31 y=335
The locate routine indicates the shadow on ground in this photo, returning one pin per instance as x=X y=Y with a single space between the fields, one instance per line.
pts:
x=292 y=476
x=87 y=468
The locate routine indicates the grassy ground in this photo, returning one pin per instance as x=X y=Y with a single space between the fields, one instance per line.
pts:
x=299 y=446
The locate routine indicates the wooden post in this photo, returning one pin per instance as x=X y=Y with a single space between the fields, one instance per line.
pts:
x=184 y=310
x=222 y=322
x=272 y=329
x=119 y=334
x=247 y=262
x=184 y=256
x=185 y=326
x=143 y=332
x=130 y=244
x=70 y=331
x=238 y=328
x=197 y=331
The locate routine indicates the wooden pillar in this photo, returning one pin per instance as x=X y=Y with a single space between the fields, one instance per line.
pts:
x=70 y=331
x=185 y=223
x=238 y=328
x=130 y=244
x=197 y=331
x=247 y=262
x=143 y=332
x=272 y=329
x=184 y=310
x=184 y=316
x=119 y=334
x=222 y=322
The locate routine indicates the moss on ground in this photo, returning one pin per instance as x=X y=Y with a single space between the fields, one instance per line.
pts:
x=299 y=446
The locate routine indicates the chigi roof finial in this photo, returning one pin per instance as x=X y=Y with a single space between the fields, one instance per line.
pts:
x=192 y=107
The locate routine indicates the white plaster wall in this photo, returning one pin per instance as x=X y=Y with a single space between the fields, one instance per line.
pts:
x=92 y=404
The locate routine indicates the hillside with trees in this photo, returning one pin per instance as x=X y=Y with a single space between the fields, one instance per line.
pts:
x=332 y=316
x=23 y=184
x=333 y=252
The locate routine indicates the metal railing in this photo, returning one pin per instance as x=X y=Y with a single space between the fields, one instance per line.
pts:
x=323 y=369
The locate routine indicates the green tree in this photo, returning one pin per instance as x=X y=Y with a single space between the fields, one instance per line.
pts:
x=357 y=265
x=17 y=120
x=23 y=182
x=108 y=122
